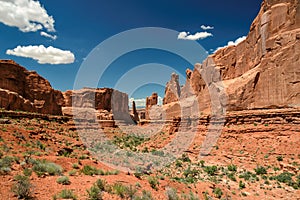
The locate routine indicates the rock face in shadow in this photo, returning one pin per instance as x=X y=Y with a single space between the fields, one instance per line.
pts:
x=260 y=72
x=25 y=90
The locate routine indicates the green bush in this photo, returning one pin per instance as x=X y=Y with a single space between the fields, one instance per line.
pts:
x=27 y=172
x=43 y=167
x=232 y=168
x=89 y=170
x=185 y=158
x=153 y=182
x=260 y=170
x=211 y=170
x=190 y=196
x=119 y=189
x=284 y=177
x=146 y=195
x=6 y=163
x=101 y=184
x=231 y=176
x=23 y=187
x=248 y=176
x=72 y=172
x=64 y=180
x=218 y=192
x=242 y=185
x=94 y=193
x=65 y=194
x=279 y=158
x=172 y=194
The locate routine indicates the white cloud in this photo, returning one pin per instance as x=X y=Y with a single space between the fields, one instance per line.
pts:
x=43 y=55
x=233 y=43
x=53 y=37
x=196 y=36
x=27 y=15
x=141 y=103
x=203 y=27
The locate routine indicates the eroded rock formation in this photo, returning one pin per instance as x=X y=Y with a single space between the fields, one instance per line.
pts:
x=104 y=103
x=260 y=72
x=172 y=91
x=27 y=91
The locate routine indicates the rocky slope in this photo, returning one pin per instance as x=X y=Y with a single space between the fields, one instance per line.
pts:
x=261 y=72
x=25 y=90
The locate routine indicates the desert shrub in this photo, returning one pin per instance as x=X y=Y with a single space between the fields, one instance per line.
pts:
x=190 y=196
x=22 y=188
x=242 y=185
x=190 y=172
x=185 y=158
x=43 y=167
x=101 y=184
x=89 y=170
x=218 y=192
x=65 y=194
x=248 y=176
x=260 y=170
x=211 y=170
x=119 y=189
x=64 y=180
x=94 y=193
x=72 y=172
x=129 y=141
x=284 y=177
x=6 y=163
x=157 y=153
x=232 y=168
x=279 y=158
x=172 y=194
x=231 y=176
x=178 y=163
x=146 y=195
x=75 y=166
x=27 y=172
x=201 y=162
x=153 y=182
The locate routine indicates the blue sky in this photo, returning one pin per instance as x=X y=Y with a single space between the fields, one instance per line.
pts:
x=78 y=26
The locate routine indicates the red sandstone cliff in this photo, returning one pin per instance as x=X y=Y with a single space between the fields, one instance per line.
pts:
x=261 y=72
x=25 y=90
x=105 y=103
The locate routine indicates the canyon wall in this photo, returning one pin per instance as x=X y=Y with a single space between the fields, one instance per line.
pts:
x=259 y=73
x=25 y=90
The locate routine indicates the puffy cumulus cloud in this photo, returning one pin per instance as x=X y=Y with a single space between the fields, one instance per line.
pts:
x=141 y=103
x=53 y=37
x=44 y=55
x=203 y=27
x=196 y=36
x=27 y=15
x=233 y=43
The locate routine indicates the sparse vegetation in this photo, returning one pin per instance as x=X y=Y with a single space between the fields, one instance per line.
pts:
x=211 y=170
x=43 y=167
x=64 y=180
x=260 y=170
x=172 y=194
x=65 y=194
x=218 y=192
x=153 y=181
x=22 y=188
